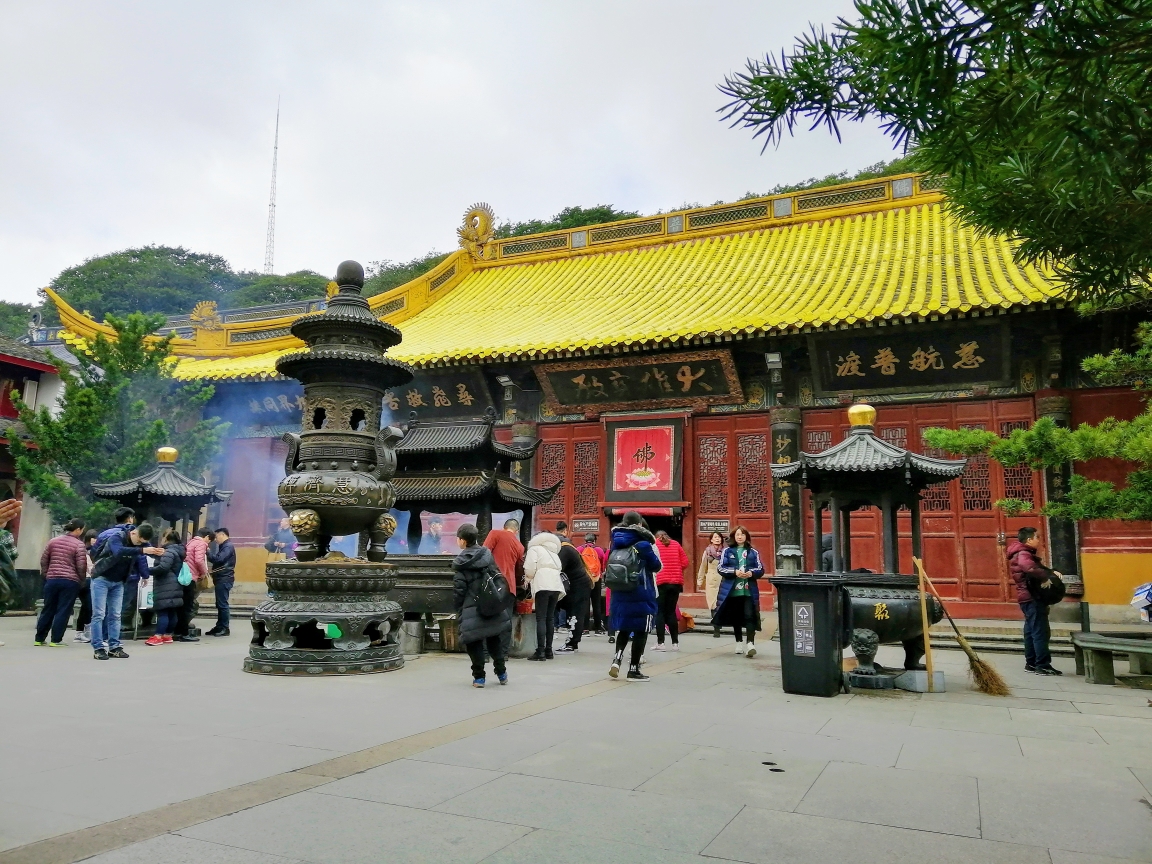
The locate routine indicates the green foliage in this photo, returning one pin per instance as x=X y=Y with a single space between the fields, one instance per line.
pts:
x=149 y=279
x=385 y=275
x=117 y=409
x=902 y=165
x=263 y=290
x=14 y=318
x=569 y=217
x=1040 y=115
x=1013 y=506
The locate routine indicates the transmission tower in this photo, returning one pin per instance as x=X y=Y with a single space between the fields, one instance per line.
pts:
x=270 y=243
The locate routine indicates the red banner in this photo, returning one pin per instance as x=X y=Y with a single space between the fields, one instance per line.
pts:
x=644 y=459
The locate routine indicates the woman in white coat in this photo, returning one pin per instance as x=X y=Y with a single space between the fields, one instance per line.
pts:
x=542 y=571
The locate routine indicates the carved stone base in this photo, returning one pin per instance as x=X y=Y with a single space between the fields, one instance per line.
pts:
x=326 y=618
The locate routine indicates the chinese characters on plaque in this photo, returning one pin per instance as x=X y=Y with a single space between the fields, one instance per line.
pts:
x=705 y=377
x=919 y=359
x=460 y=394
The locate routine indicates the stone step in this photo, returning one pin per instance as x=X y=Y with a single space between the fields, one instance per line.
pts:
x=984 y=645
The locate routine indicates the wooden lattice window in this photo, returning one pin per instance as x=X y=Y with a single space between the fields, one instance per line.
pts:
x=897 y=436
x=752 y=481
x=552 y=457
x=712 y=458
x=1018 y=479
x=976 y=481
x=586 y=477
x=817 y=440
x=938 y=498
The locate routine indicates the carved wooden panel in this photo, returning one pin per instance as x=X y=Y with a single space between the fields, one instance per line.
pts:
x=552 y=456
x=586 y=477
x=712 y=482
x=752 y=480
x=938 y=498
x=817 y=440
x=976 y=481
x=1017 y=480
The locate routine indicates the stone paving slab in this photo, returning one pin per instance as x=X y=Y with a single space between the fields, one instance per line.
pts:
x=562 y=765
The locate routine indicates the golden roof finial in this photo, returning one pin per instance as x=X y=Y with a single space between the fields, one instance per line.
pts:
x=862 y=414
x=167 y=455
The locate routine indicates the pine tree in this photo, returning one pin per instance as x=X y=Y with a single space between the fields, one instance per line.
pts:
x=118 y=407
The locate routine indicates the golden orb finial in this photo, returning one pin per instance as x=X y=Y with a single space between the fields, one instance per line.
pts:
x=167 y=454
x=862 y=414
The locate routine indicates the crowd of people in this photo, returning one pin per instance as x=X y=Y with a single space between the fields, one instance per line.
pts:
x=125 y=570
x=632 y=587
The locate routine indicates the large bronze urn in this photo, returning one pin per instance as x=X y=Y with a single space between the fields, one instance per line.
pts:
x=326 y=613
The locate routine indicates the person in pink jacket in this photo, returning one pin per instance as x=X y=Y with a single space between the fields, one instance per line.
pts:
x=196 y=557
x=669 y=584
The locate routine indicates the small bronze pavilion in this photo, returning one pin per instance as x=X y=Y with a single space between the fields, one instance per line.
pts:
x=164 y=494
x=866 y=471
x=454 y=466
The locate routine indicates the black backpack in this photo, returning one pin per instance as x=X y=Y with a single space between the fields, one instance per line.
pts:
x=493 y=597
x=623 y=570
x=107 y=565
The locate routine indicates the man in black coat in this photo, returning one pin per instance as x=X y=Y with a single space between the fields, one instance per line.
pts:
x=580 y=588
x=223 y=562
x=479 y=632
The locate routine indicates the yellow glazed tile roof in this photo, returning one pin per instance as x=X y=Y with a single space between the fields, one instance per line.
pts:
x=905 y=263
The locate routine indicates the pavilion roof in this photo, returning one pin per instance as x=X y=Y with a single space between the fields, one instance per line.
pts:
x=162 y=481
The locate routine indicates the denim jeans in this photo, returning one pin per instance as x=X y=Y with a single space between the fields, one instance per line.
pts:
x=222 y=589
x=166 y=621
x=59 y=598
x=1036 y=634
x=107 y=598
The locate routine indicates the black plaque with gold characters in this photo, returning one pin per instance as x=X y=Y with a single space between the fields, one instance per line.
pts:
x=911 y=358
x=667 y=380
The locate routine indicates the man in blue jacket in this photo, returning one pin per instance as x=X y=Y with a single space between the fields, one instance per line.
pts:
x=633 y=611
x=119 y=551
x=223 y=562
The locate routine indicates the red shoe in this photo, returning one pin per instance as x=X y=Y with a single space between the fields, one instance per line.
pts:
x=154 y=640
x=167 y=640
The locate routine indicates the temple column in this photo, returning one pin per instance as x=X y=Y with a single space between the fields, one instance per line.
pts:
x=889 y=535
x=786 y=494
x=483 y=521
x=1061 y=532
x=837 y=548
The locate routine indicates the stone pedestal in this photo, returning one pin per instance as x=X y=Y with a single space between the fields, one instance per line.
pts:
x=326 y=618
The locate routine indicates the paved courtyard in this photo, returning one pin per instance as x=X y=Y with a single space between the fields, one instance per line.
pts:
x=177 y=756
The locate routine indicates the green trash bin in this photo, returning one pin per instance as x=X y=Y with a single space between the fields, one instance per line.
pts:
x=812 y=610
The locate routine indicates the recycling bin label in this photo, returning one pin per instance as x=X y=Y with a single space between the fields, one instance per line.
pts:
x=803 y=629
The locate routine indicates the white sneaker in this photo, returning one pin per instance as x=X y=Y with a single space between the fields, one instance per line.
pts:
x=79 y=637
x=660 y=647
x=751 y=652
x=675 y=646
x=739 y=647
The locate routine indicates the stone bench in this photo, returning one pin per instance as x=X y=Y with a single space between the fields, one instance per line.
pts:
x=1095 y=653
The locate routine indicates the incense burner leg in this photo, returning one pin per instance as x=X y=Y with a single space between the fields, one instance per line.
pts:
x=382 y=529
x=865 y=644
x=914 y=652
x=305 y=525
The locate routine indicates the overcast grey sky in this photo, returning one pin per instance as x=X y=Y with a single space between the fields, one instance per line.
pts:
x=124 y=124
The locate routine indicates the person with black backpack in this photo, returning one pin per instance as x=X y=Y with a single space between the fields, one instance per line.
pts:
x=482 y=608
x=118 y=552
x=1037 y=588
x=631 y=577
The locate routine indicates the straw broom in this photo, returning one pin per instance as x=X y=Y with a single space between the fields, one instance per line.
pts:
x=984 y=676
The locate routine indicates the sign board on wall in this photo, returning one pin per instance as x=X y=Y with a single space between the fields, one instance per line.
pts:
x=912 y=358
x=266 y=409
x=584 y=526
x=707 y=526
x=665 y=380
x=645 y=460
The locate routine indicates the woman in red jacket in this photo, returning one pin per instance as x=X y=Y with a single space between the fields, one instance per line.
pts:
x=669 y=584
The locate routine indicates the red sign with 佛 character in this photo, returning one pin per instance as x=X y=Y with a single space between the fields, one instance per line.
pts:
x=644 y=459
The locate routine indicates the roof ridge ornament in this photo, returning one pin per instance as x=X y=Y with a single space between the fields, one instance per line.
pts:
x=478 y=231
